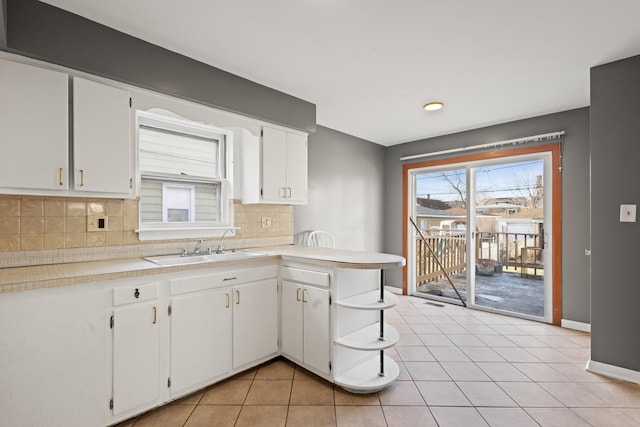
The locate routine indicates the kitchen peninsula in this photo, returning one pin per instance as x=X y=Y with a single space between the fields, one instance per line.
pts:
x=98 y=342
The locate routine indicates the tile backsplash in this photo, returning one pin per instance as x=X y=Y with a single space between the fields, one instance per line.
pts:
x=33 y=223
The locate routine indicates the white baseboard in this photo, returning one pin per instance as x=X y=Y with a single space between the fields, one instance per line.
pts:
x=393 y=290
x=578 y=326
x=613 y=371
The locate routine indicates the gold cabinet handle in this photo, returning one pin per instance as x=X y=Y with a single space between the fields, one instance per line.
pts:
x=81 y=177
x=60 y=175
x=303 y=299
x=228 y=300
x=298 y=294
x=155 y=315
x=237 y=297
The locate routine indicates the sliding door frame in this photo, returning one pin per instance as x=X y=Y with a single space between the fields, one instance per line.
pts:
x=556 y=215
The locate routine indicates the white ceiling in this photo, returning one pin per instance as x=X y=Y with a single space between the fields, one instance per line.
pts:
x=370 y=65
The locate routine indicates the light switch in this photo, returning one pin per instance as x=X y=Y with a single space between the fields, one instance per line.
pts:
x=627 y=213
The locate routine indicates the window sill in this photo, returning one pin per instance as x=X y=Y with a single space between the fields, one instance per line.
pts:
x=147 y=234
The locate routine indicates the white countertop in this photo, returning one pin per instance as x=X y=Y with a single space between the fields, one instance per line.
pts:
x=16 y=279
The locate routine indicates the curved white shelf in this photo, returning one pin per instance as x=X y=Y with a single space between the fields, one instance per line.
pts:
x=364 y=378
x=368 y=338
x=369 y=301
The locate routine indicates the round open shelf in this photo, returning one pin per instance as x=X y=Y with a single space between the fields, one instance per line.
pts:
x=368 y=338
x=369 y=301
x=365 y=378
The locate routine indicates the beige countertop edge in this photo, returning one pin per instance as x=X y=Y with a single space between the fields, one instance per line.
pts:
x=16 y=279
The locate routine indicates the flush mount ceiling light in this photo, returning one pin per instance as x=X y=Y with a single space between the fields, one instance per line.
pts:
x=433 y=106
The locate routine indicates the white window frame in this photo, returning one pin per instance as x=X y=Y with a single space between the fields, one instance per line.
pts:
x=164 y=120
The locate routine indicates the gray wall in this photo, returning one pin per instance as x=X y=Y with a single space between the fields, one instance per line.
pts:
x=575 y=195
x=615 y=178
x=346 y=190
x=3 y=24
x=45 y=32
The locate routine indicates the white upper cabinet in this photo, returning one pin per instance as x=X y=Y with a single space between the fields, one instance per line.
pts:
x=296 y=169
x=102 y=152
x=34 y=136
x=35 y=143
x=274 y=165
x=284 y=167
x=272 y=169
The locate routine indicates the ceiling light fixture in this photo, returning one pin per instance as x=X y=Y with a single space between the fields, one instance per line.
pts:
x=433 y=106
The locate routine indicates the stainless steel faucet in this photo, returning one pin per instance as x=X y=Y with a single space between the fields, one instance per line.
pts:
x=220 y=249
x=196 y=250
x=199 y=243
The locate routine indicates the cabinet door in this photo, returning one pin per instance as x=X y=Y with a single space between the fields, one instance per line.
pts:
x=101 y=138
x=255 y=321
x=136 y=355
x=274 y=165
x=200 y=338
x=317 y=352
x=34 y=127
x=296 y=168
x=291 y=319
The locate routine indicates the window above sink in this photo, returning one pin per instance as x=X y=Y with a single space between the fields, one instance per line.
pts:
x=185 y=177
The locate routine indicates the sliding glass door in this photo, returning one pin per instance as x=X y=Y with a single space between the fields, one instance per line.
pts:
x=441 y=244
x=483 y=235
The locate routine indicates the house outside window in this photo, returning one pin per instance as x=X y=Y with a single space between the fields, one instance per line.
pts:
x=184 y=177
x=178 y=202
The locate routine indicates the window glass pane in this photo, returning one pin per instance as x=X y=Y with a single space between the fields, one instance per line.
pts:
x=178 y=202
x=167 y=152
x=206 y=201
x=150 y=200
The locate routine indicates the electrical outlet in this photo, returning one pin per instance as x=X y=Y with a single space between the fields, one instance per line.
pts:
x=97 y=223
x=266 y=222
x=627 y=213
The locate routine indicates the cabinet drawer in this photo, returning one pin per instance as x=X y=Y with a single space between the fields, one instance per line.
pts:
x=305 y=276
x=188 y=284
x=135 y=293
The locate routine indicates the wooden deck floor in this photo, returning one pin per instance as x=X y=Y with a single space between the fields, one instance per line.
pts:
x=504 y=291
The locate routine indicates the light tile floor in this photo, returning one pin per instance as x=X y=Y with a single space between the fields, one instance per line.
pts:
x=458 y=367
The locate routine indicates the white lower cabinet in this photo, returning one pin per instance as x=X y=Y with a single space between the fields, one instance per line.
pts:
x=305 y=325
x=136 y=357
x=304 y=330
x=136 y=349
x=54 y=356
x=220 y=321
x=255 y=321
x=200 y=338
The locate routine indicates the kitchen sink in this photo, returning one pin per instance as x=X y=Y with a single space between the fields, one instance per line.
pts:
x=173 y=260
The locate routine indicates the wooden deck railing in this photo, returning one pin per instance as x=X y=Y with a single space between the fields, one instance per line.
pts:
x=450 y=250
x=506 y=248
x=503 y=248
